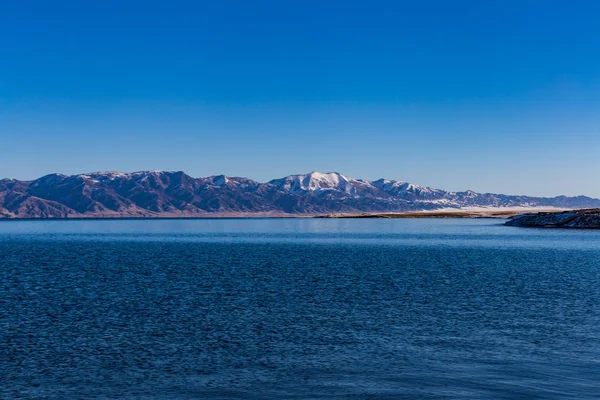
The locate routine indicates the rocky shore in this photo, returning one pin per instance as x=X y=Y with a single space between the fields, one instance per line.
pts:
x=576 y=219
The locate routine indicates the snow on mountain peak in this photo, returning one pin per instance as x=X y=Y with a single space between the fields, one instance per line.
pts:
x=319 y=182
x=103 y=176
x=220 y=180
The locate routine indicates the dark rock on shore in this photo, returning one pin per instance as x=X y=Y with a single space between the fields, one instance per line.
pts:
x=576 y=219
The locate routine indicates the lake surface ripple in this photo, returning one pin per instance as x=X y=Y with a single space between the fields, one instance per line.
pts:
x=298 y=309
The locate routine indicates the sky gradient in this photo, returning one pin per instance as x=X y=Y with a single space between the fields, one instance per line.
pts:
x=496 y=96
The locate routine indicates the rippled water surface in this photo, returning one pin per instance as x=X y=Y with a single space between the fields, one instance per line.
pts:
x=297 y=309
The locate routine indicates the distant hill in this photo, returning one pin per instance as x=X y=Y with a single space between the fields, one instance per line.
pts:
x=176 y=194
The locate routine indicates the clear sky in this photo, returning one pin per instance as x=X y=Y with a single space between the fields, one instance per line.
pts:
x=494 y=96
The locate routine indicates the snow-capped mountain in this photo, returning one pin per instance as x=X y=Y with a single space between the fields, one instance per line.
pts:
x=165 y=193
x=322 y=183
x=408 y=191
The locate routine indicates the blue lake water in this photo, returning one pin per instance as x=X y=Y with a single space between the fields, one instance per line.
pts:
x=298 y=309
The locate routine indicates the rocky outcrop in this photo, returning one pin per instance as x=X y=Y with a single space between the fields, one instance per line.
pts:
x=577 y=219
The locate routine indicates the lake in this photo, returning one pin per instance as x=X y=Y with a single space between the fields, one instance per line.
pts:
x=298 y=309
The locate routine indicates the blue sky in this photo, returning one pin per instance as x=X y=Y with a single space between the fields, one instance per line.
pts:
x=494 y=96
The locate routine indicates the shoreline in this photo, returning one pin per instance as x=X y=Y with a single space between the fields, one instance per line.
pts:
x=497 y=213
x=431 y=214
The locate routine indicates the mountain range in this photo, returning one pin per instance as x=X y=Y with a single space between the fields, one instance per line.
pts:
x=176 y=194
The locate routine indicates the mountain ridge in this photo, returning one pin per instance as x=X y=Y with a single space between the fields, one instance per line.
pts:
x=175 y=194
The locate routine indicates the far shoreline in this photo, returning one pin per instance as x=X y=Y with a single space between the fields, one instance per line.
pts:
x=494 y=213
